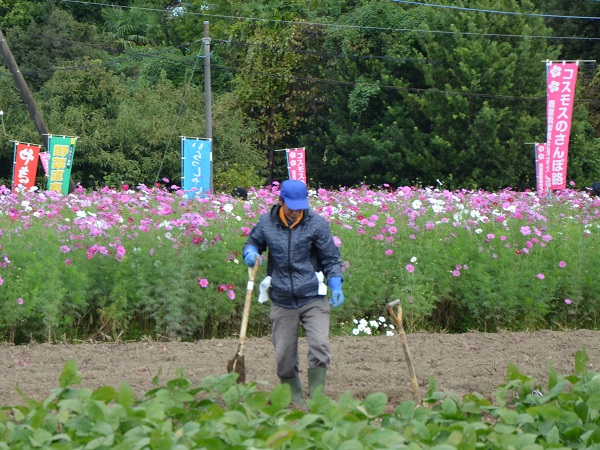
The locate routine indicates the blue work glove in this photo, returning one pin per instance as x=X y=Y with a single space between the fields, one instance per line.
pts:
x=250 y=256
x=337 y=297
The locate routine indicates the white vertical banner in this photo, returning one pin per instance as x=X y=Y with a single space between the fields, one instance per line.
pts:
x=542 y=172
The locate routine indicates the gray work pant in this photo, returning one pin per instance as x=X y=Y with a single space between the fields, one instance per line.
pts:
x=285 y=324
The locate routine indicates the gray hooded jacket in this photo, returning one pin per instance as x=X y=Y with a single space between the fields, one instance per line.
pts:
x=295 y=255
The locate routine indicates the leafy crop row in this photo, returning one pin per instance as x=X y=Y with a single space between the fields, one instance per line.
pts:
x=222 y=414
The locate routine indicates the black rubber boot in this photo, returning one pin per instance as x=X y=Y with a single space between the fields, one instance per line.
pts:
x=316 y=377
x=296 y=388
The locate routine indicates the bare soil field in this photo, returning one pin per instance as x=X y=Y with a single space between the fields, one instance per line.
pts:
x=462 y=363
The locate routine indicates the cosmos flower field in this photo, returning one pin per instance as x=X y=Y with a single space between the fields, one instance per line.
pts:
x=124 y=263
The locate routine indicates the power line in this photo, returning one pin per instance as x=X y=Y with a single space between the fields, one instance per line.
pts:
x=300 y=51
x=295 y=77
x=514 y=13
x=399 y=88
x=341 y=26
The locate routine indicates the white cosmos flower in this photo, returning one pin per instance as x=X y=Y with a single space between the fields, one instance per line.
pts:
x=416 y=204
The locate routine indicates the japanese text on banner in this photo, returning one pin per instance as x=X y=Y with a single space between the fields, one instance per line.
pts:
x=541 y=168
x=561 y=82
x=296 y=159
x=196 y=165
x=60 y=163
x=25 y=166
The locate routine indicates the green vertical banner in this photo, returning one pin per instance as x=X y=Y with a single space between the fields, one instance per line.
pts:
x=62 y=150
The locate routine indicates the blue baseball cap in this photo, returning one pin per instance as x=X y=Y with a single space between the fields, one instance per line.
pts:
x=294 y=194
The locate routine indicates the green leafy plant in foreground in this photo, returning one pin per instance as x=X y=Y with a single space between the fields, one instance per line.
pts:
x=220 y=413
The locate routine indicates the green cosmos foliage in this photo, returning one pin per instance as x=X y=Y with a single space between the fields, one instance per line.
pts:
x=219 y=414
x=121 y=264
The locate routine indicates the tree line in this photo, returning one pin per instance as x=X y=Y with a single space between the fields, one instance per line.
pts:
x=380 y=92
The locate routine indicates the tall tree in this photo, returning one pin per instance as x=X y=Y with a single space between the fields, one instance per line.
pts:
x=458 y=99
x=139 y=25
x=273 y=81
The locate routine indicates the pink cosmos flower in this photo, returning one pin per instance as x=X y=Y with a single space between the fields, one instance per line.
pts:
x=410 y=268
x=1 y=281
x=567 y=301
x=541 y=276
x=20 y=301
x=562 y=264
x=456 y=273
x=389 y=252
x=231 y=294
x=65 y=249
x=490 y=236
x=525 y=230
x=68 y=262
x=203 y=282
x=502 y=238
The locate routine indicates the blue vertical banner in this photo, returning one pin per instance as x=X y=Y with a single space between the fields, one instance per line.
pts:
x=196 y=165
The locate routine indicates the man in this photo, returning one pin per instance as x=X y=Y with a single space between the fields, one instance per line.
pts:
x=301 y=249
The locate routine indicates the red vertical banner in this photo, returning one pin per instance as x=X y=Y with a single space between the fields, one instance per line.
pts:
x=542 y=168
x=25 y=166
x=561 y=80
x=296 y=160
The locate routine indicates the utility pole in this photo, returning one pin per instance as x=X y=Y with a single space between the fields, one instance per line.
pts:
x=208 y=95
x=26 y=96
x=30 y=104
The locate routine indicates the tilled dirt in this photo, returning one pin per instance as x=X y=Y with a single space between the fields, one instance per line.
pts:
x=462 y=363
